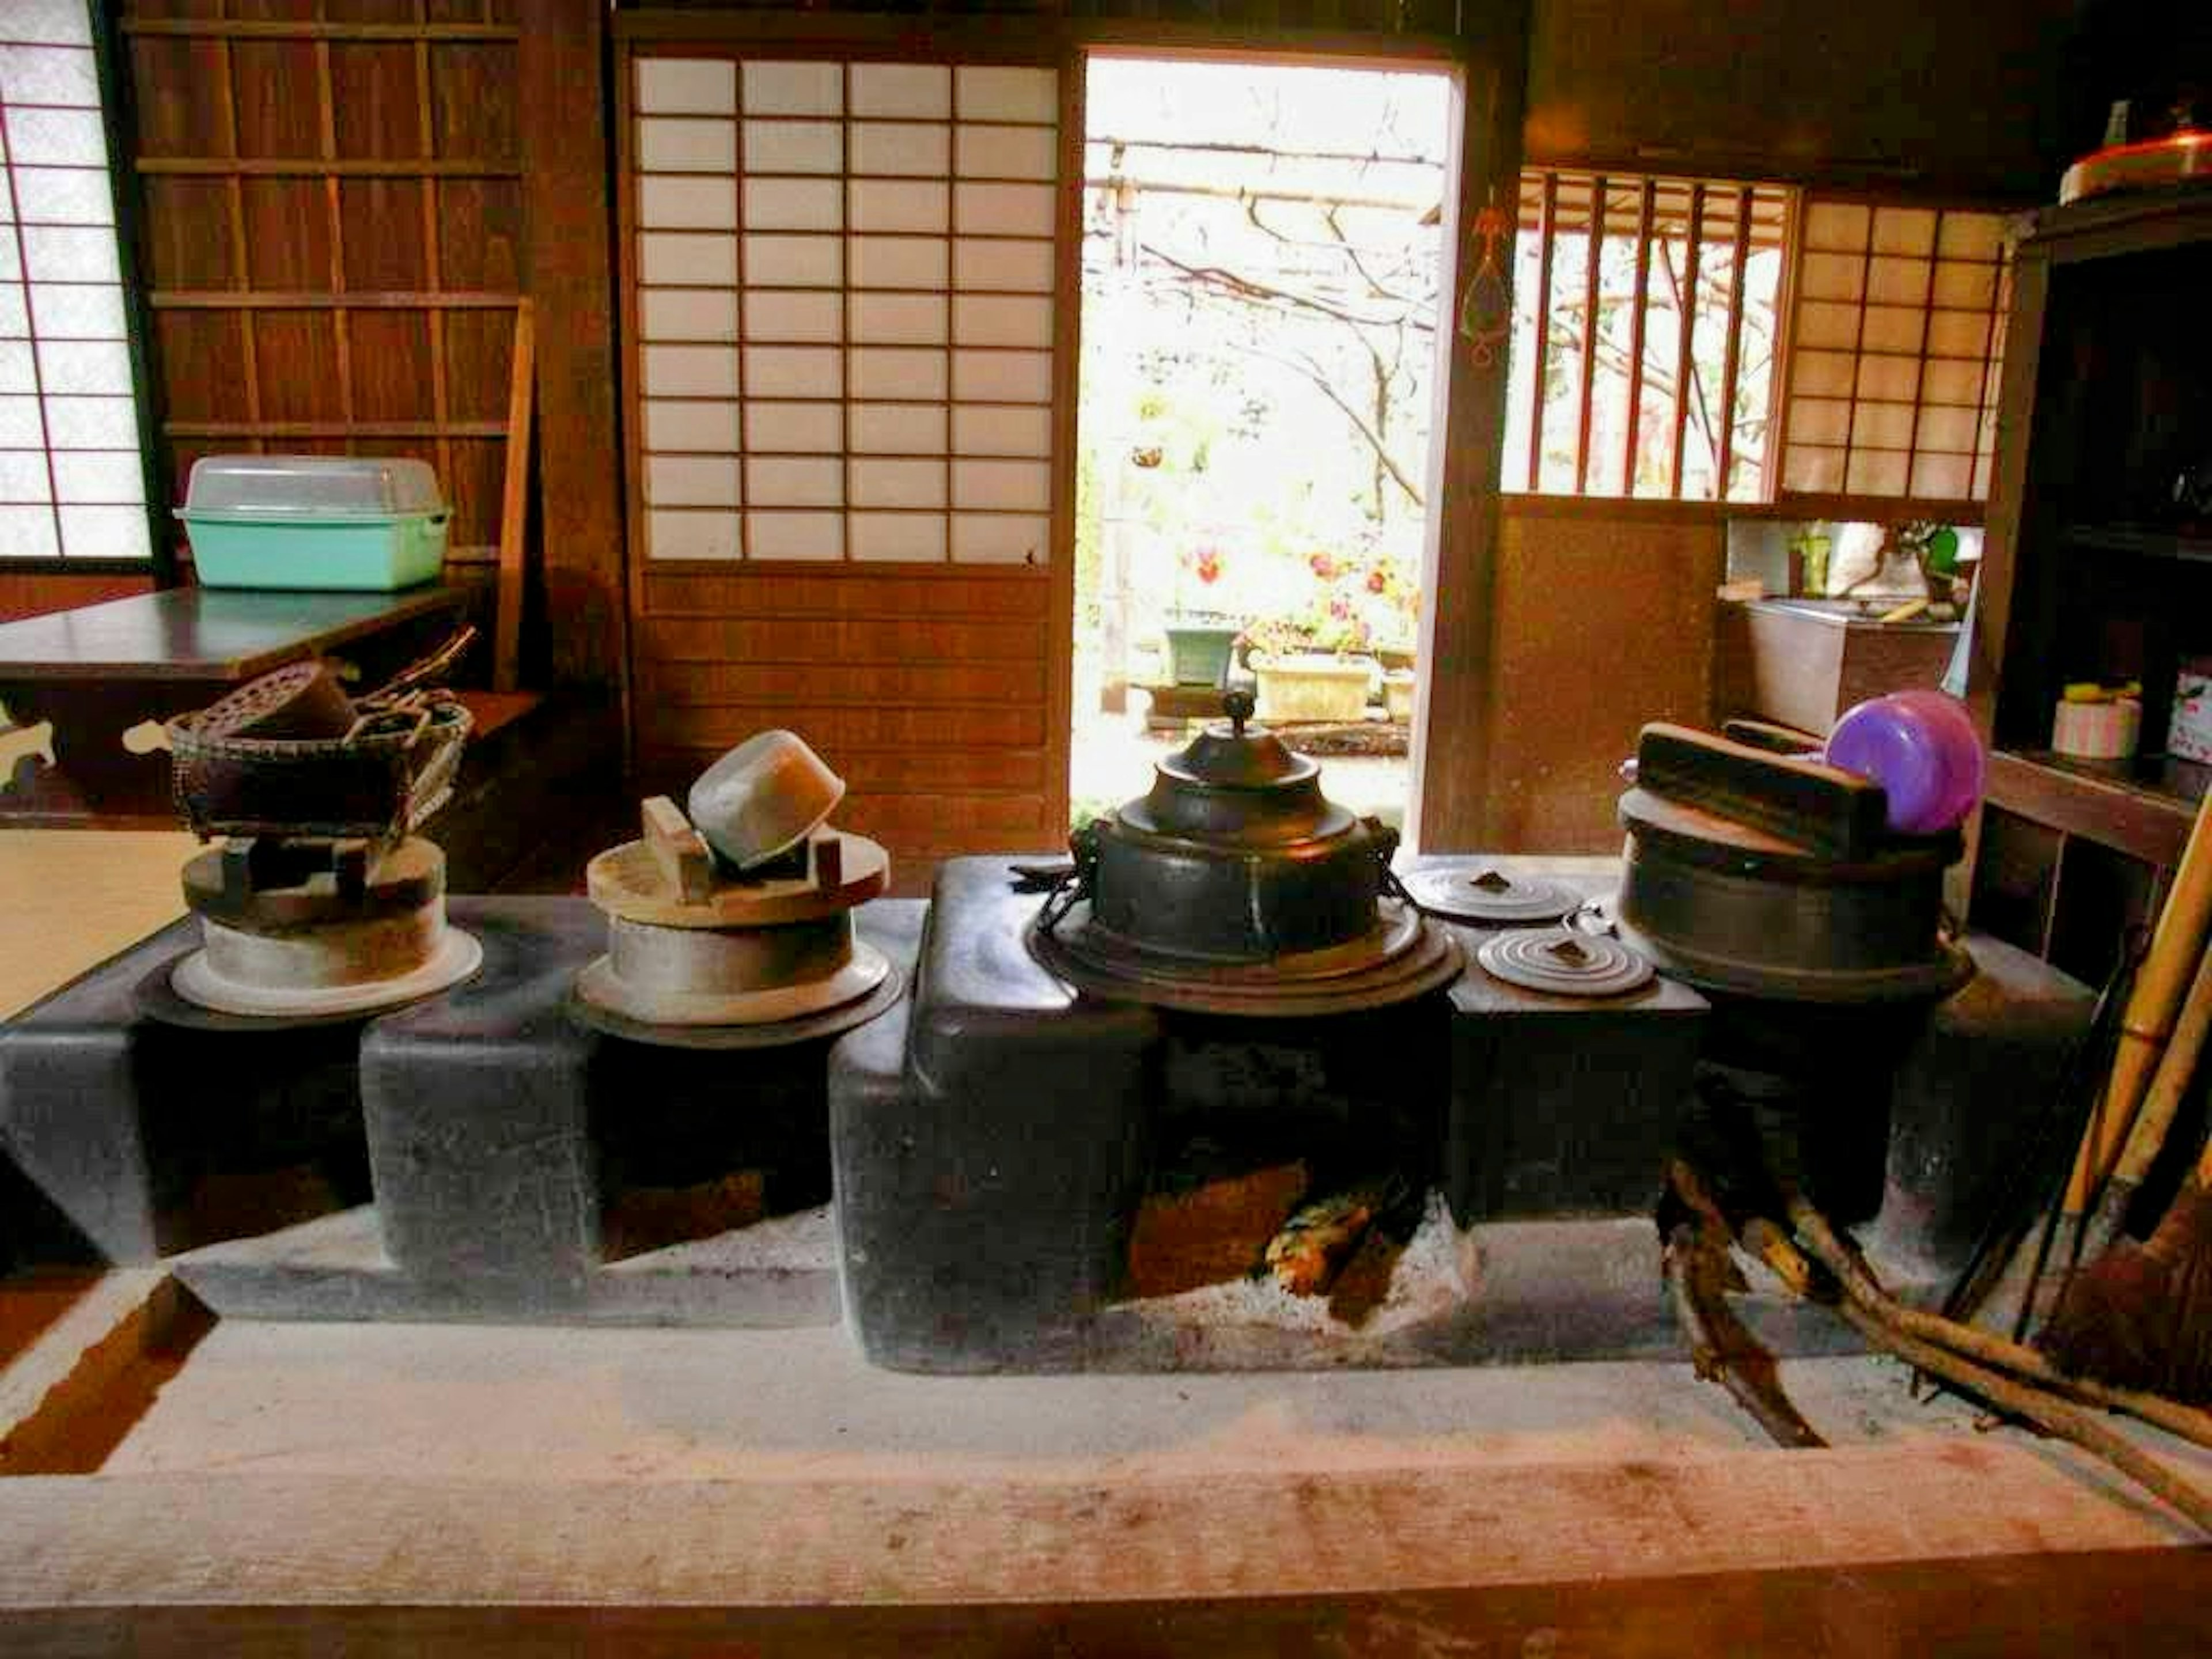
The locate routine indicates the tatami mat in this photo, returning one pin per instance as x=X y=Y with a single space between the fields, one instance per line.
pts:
x=71 y=898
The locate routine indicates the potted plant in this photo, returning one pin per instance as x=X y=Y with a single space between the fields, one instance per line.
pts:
x=1309 y=660
x=1200 y=640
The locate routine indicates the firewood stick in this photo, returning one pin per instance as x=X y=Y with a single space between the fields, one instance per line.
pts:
x=1859 y=1286
x=1721 y=1349
x=2021 y=1399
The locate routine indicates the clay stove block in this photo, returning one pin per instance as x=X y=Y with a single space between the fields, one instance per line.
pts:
x=987 y=1138
x=150 y=1137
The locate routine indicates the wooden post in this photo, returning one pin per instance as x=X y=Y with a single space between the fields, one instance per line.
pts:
x=563 y=104
x=1450 y=810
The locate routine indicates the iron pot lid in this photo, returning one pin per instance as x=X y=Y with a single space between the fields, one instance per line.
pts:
x=1564 y=962
x=1489 y=896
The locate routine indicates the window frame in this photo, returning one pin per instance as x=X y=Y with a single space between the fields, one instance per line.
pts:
x=1755 y=199
x=1774 y=499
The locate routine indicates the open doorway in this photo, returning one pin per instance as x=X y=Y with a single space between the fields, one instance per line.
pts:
x=1262 y=252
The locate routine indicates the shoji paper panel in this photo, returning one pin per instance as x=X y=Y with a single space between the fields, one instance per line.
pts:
x=1899 y=339
x=72 y=480
x=876 y=240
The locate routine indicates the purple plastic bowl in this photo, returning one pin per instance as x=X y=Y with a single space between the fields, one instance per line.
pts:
x=1920 y=747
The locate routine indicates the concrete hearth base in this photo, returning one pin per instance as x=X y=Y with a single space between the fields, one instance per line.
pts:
x=1503 y=1294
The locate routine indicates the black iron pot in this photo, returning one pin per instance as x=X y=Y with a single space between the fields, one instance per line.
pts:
x=1236 y=855
x=1774 y=878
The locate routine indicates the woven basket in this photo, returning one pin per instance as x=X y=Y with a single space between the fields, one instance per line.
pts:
x=378 y=782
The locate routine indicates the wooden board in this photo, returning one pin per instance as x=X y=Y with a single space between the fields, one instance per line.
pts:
x=1461 y=686
x=450 y=1490
x=24 y=594
x=216 y=634
x=928 y=689
x=2116 y=1603
x=1577 y=677
x=566 y=203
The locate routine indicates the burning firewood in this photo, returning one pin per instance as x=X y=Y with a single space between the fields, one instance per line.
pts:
x=1320 y=1237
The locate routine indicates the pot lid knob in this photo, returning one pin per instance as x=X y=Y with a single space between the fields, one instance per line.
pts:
x=1236 y=755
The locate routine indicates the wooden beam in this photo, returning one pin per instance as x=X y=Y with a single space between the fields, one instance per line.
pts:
x=313 y=166
x=1450 y=810
x=1067 y=383
x=2110 y=1601
x=1593 y=264
x=1547 y=242
x=1646 y=201
x=214 y=28
x=568 y=275
x=1732 y=356
x=1685 y=360
x=213 y=1537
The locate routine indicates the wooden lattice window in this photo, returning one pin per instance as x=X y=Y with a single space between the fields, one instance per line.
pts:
x=1898 y=345
x=841 y=304
x=1644 y=340
x=72 y=468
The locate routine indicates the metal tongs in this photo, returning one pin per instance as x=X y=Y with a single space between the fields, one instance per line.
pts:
x=409 y=695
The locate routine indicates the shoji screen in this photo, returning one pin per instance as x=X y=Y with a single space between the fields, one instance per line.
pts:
x=843 y=309
x=848 y=318
x=72 y=482
x=1898 y=349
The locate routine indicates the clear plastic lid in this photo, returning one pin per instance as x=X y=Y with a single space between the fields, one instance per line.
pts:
x=312 y=486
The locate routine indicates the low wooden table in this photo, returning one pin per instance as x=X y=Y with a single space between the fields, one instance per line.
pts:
x=99 y=670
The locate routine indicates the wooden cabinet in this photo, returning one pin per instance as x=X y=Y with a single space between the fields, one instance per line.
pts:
x=2092 y=568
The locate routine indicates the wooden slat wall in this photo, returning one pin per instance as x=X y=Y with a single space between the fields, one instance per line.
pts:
x=34 y=593
x=927 y=686
x=331 y=227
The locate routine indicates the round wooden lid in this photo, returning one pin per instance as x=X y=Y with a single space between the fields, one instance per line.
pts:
x=628 y=881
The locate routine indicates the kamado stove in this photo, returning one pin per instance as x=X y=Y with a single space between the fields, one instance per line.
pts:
x=1229 y=1005
x=1234 y=1086
x=317 y=1097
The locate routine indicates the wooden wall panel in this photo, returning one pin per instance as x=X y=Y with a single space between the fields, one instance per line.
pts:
x=1601 y=624
x=1948 y=96
x=331 y=230
x=24 y=593
x=927 y=688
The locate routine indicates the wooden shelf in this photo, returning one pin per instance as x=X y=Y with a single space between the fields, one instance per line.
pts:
x=2130 y=538
x=2146 y=812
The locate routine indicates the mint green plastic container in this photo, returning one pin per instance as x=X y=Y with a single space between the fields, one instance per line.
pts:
x=314 y=521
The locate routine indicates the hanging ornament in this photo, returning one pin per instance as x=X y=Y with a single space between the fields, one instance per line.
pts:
x=1486 y=309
